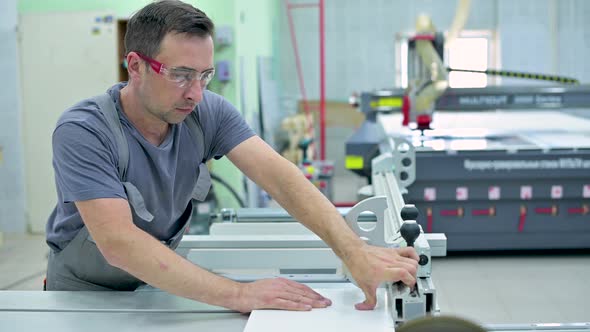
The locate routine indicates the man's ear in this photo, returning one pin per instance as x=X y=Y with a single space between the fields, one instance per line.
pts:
x=134 y=65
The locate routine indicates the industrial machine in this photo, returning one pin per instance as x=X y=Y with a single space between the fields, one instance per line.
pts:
x=498 y=169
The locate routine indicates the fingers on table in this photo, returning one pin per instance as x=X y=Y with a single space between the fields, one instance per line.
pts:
x=370 y=298
x=299 y=293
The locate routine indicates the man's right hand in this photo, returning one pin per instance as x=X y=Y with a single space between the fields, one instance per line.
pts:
x=279 y=293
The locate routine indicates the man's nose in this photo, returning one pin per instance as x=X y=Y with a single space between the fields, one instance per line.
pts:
x=194 y=92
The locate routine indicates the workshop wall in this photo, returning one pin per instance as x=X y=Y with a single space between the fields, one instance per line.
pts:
x=550 y=37
x=220 y=11
x=12 y=188
x=534 y=35
x=573 y=39
x=255 y=26
x=121 y=8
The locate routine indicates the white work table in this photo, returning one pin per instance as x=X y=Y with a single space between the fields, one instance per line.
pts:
x=112 y=311
x=153 y=310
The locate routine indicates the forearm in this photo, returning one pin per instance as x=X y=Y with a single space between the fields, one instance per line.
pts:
x=308 y=205
x=287 y=185
x=147 y=259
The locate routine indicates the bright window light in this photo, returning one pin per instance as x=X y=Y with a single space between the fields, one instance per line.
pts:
x=472 y=54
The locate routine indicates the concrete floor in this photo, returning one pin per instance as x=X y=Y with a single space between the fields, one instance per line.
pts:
x=23 y=262
x=515 y=288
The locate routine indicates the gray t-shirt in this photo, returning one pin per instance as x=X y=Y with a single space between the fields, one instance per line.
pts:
x=85 y=161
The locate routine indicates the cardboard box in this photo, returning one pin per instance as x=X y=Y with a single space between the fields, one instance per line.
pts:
x=338 y=114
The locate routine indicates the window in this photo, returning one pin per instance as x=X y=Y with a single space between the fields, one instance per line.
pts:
x=473 y=50
x=471 y=54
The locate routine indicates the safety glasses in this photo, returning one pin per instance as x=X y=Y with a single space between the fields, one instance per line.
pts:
x=180 y=76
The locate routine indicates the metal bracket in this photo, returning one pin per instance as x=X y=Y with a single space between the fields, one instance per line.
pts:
x=406 y=303
x=375 y=235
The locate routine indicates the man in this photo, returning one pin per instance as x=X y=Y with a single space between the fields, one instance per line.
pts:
x=104 y=238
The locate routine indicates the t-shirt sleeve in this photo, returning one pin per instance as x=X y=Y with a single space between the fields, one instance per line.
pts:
x=84 y=165
x=231 y=129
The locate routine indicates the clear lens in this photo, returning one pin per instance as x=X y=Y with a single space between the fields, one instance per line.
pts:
x=184 y=77
x=181 y=76
x=207 y=76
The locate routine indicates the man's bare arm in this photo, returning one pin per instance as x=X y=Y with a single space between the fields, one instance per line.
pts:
x=129 y=248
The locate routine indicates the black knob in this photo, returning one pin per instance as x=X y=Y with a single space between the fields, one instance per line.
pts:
x=423 y=260
x=410 y=231
x=409 y=212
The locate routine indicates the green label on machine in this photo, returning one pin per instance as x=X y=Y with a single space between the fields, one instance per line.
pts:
x=394 y=102
x=354 y=162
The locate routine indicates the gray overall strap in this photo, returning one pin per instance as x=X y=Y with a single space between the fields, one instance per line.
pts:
x=204 y=180
x=107 y=108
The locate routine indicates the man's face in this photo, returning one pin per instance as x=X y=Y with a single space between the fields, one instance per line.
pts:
x=163 y=98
